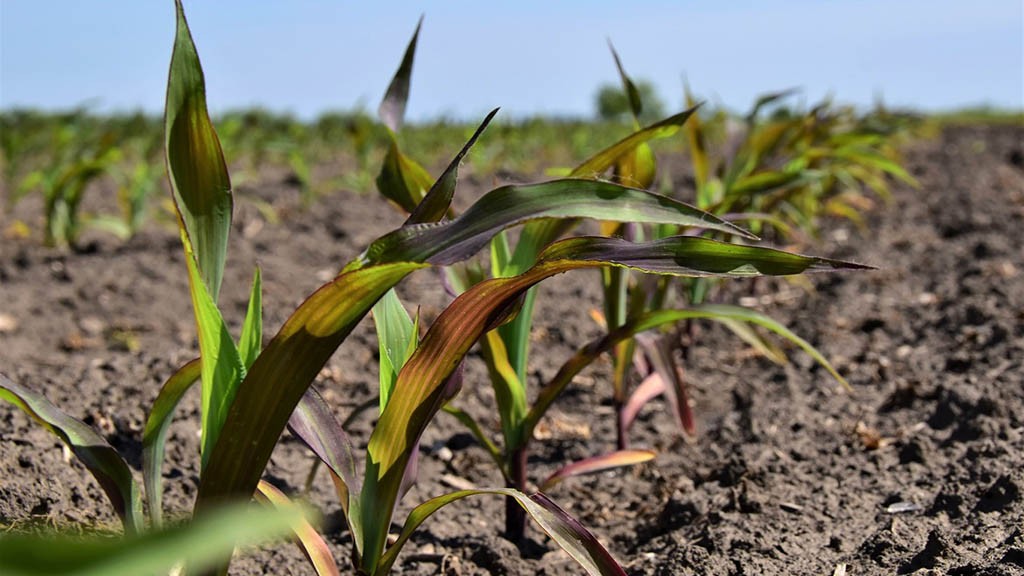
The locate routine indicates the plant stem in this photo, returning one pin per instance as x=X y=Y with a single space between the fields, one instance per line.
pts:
x=515 y=516
x=621 y=438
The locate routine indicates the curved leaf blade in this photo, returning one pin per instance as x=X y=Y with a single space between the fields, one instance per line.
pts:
x=91 y=449
x=283 y=372
x=436 y=203
x=565 y=530
x=155 y=434
x=419 y=391
x=195 y=162
x=605 y=159
x=447 y=242
x=309 y=541
x=596 y=464
x=201 y=543
x=392 y=108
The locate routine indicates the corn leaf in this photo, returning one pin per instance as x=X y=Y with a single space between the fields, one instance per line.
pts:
x=251 y=340
x=566 y=531
x=396 y=339
x=91 y=449
x=221 y=367
x=596 y=464
x=202 y=197
x=435 y=205
x=753 y=338
x=401 y=179
x=650 y=388
x=509 y=390
x=450 y=241
x=605 y=159
x=635 y=104
x=307 y=538
x=698 y=147
x=659 y=351
x=419 y=392
x=315 y=425
x=719 y=312
x=202 y=543
x=195 y=163
x=392 y=108
x=155 y=434
x=767 y=99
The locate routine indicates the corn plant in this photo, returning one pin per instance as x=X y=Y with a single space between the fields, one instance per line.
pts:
x=639 y=310
x=506 y=348
x=80 y=156
x=249 y=394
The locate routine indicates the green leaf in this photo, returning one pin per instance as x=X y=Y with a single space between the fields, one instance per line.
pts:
x=201 y=543
x=698 y=147
x=401 y=179
x=739 y=313
x=155 y=434
x=392 y=108
x=91 y=449
x=636 y=168
x=566 y=531
x=605 y=159
x=635 y=105
x=450 y=241
x=222 y=369
x=396 y=339
x=281 y=374
x=251 y=340
x=435 y=205
x=509 y=390
x=198 y=175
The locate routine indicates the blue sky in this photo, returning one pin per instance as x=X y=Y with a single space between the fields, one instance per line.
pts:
x=530 y=56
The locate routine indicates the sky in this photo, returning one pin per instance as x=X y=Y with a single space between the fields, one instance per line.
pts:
x=530 y=57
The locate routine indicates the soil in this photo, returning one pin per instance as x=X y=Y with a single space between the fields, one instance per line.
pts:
x=919 y=471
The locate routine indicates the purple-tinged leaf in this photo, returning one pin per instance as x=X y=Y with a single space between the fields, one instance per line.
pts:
x=659 y=352
x=392 y=108
x=419 y=391
x=447 y=242
x=314 y=423
x=596 y=464
x=565 y=530
x=650 y=388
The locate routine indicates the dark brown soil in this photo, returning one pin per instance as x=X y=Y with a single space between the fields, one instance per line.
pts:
x=920 y=471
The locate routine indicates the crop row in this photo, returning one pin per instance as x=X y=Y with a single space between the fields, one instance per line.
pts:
x=765 y=177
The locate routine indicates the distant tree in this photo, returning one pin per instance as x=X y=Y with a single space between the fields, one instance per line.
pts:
x=613 y=105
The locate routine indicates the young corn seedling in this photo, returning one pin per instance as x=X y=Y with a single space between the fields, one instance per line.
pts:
x=82 y=155
x=506 y=348
x=250 y=394
x=633 y=305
